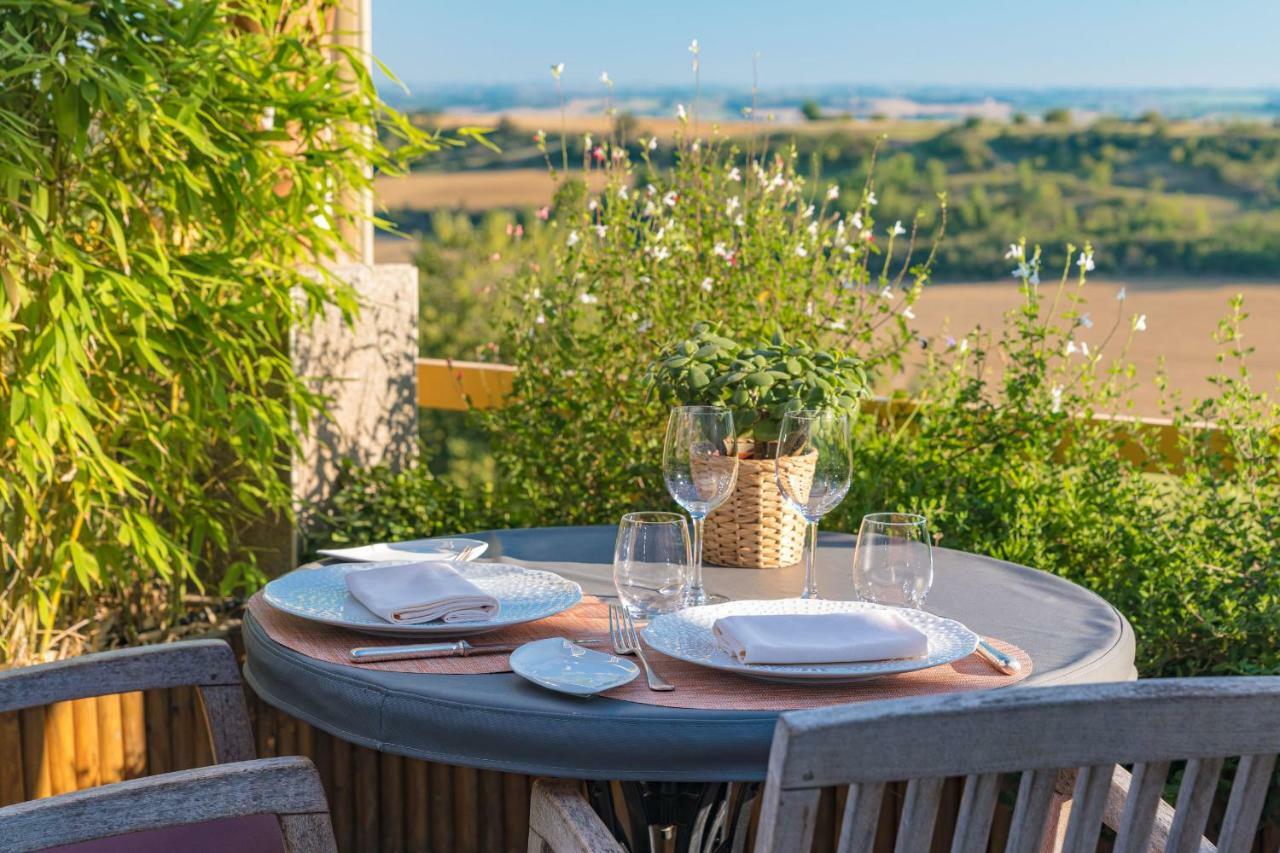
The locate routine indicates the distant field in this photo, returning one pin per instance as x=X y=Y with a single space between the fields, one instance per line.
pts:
x=473 y=191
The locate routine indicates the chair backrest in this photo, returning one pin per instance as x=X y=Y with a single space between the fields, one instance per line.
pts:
x=208 y=665
x=1038 y=733
x=134 y=813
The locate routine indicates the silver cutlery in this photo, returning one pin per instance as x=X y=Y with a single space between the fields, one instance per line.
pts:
x=622 y=630
x=998 y=659
x=460 y=648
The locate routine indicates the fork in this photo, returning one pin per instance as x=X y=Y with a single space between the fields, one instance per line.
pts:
x=622 y=631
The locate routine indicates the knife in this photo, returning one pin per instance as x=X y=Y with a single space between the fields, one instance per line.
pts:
x=461 y=648
x=998 y=659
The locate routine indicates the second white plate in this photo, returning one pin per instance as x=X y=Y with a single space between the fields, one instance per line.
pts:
x=448 y=548
x=686 y=634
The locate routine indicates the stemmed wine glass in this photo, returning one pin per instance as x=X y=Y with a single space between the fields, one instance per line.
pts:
x=700 y=467
x=813 y=467
x=893 y=560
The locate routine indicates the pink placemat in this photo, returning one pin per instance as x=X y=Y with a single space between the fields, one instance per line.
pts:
x=696 y=686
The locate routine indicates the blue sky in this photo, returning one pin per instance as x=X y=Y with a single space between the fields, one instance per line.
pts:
x=1124 y=43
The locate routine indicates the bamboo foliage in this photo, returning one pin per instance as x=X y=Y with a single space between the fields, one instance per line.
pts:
x=168 y=174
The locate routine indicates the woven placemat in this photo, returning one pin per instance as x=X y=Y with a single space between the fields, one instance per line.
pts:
x=696 y=686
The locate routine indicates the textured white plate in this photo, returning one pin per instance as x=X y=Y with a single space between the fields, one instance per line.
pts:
x=557 y=664
x=686 y=634
x=523 y=595
x=416 y=549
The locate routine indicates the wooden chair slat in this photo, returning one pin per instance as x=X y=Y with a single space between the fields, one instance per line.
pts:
x=1087 y=803
x=861 y=817
x=1248 y=793
x=1195 y=798
x=1030 y=810
x=1142 y=800
x=787 y=819
x=919 y=813
x=977 y=810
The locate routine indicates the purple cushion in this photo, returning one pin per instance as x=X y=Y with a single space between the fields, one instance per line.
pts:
x=258 y=833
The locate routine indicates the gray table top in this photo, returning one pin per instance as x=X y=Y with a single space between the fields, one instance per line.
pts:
x=501 y=722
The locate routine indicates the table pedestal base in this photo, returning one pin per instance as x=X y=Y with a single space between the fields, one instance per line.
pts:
x=677 y=817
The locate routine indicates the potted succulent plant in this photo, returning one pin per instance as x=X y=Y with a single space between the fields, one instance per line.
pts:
x=759 y=383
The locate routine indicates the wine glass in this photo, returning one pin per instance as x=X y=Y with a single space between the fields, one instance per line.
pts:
x=700 y=467
x=893 y=560
x=813 y=467
x=651 y=561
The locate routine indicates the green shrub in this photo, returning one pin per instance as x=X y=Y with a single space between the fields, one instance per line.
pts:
x=168 y=171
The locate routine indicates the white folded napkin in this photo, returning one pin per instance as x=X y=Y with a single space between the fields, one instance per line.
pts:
x=421 y=592
x=820 y=637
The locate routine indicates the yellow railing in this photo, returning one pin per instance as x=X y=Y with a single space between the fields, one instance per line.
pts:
x=459 y=385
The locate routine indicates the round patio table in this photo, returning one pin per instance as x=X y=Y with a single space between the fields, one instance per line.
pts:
x=502 y=722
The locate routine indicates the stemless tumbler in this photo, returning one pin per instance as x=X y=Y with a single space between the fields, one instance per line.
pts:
x=893 y=561
x=651 y=562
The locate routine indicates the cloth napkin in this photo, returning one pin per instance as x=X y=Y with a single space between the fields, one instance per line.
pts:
x=421 y=592
x=820 y=637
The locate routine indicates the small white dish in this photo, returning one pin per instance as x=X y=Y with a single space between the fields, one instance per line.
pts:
x=557 y=664
x=452 y=548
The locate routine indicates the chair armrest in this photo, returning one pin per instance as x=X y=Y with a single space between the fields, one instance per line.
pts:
x=561 y=821
x=288 y=787
x=208 y=665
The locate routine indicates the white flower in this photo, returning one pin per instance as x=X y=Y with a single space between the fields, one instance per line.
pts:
x=897 y=229
x=732 y=205
x=964 y=344
x=837 y=325
x=1086 y=320
x=856 y=220
x=1084 y=349
x=680 y=112
x=833 y=192
x=1085 y=261
x=887 y=293
x=588 y=299
x=871 y=199
x=557 y=70
x=808 y=212
x=808 y=308
x=1030 y=272
x=739 y=221
x=604 y=78
x=693 y=47
x=644 y=326
x=653 y=143
x=802 y=251
x=1071 y=349
x=847 y=249
x=650 y=189
x=1056 y=394
x=593 y=204
x=572 y=239
x=623 y=192
x=1140 y=323
x=1015 y=251
x=601 y=231
x=662 y=232
x=706 y=284
x=908 y=313
x=661 y=253
x=813 y=229
x=540 y=319
x=720 y=250
x=1120 y=295
x=696 y=146
x=649 y=209
x=670 y=199
x=734 y=174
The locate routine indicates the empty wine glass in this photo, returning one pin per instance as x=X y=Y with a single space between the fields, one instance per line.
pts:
x=813 y=468
x=700 y=467
x=893 y=560
x=651 y=562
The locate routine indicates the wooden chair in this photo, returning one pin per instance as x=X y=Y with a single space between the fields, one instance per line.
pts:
x=1044 y=735
x=277 y=804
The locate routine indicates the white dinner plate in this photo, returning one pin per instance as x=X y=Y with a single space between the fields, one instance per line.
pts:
x=686 y=634
x=449 y=548
x=524 y=595
x=557 y=664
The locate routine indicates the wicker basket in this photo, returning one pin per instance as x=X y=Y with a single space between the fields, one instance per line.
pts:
x=754 y=528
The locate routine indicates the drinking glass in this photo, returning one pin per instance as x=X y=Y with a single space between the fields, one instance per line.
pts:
x=650 y=562
x=700 y=467
x=893 y=560
x=813 y=469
